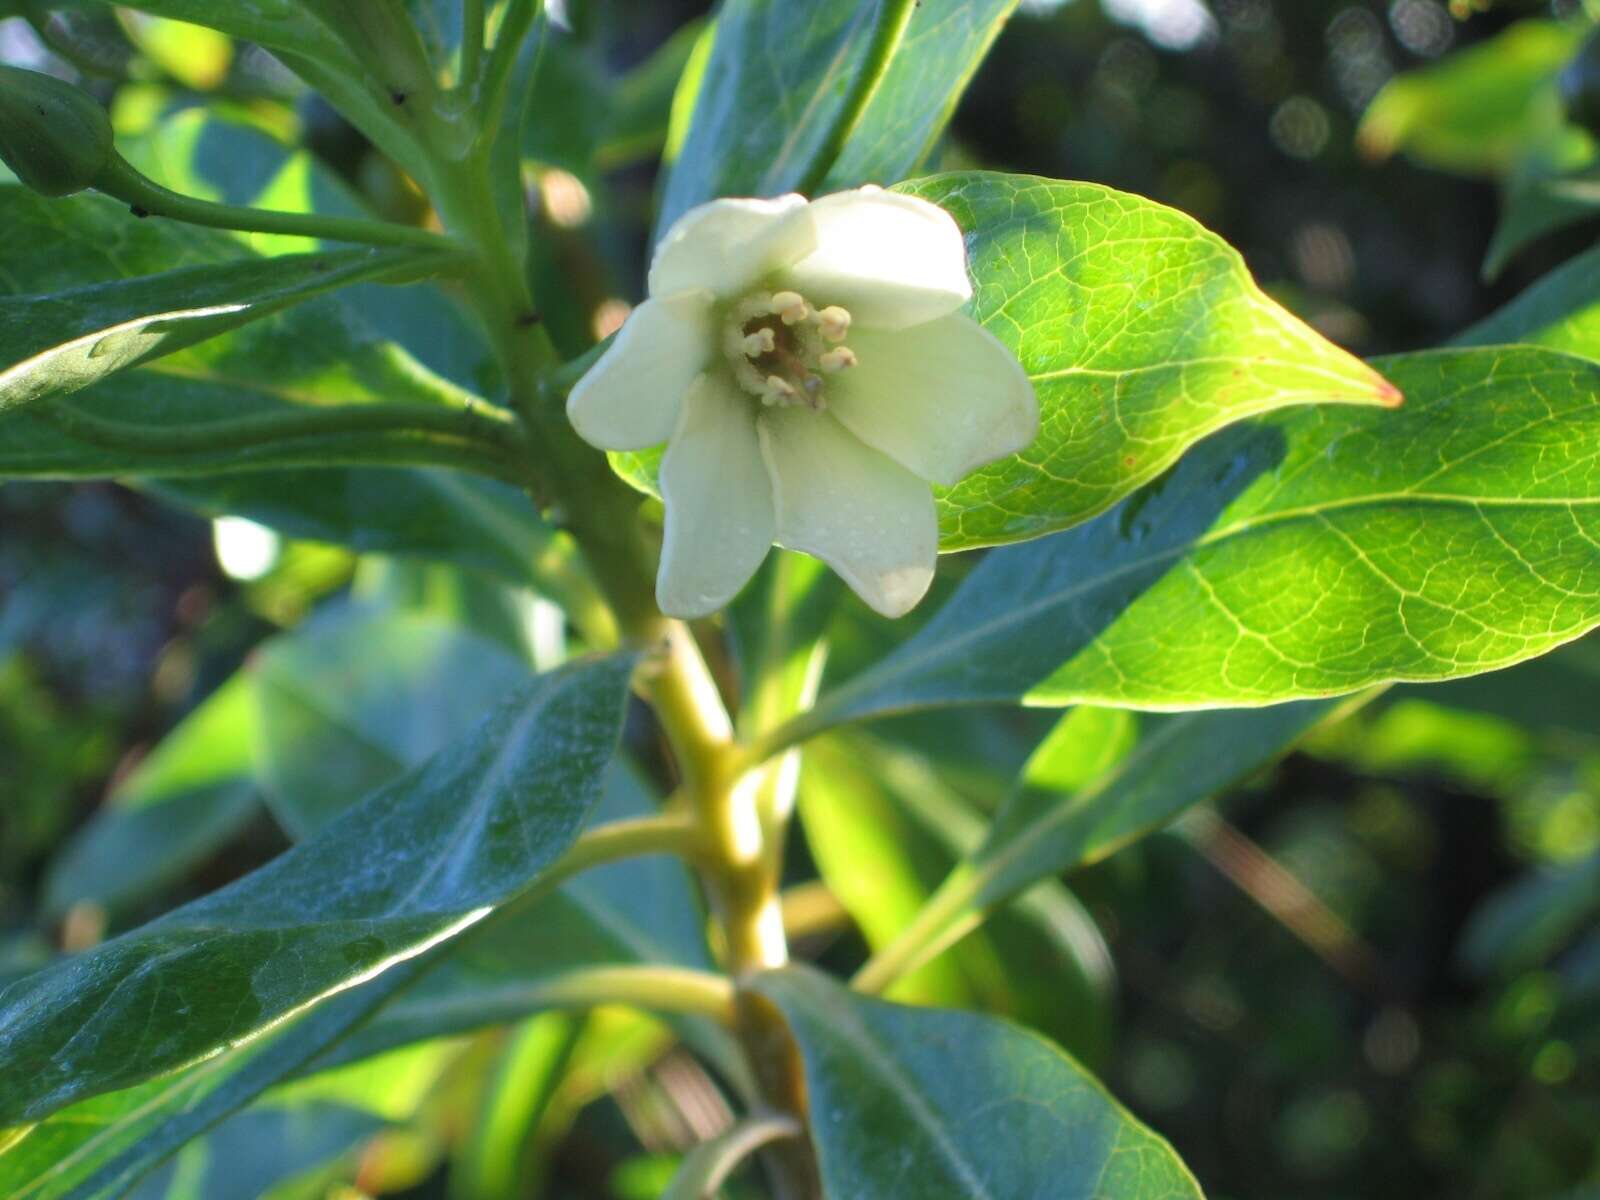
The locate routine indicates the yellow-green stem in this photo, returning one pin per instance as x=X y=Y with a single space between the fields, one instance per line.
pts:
x=571 y=481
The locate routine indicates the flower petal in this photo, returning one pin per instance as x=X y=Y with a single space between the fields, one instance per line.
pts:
x=631 y=397
x=942 y=398
x=720 y=520
x=859 y=511
x=892 y=260
x=727 y=245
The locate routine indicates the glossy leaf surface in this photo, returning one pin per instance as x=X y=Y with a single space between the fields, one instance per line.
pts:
x=777 y=85
x=1312 y=553
x=920 y=1103
x=415 y=864
x=53 y=345
x=1142 y=333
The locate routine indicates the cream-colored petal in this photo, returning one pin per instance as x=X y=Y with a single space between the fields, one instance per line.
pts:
x=942 y=398
x=859 y=511
x=728 y=245
x=631 y=397
x=891 y=260
x=720 y=520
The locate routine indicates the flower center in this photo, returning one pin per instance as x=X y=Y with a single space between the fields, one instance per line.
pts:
x=782 y=348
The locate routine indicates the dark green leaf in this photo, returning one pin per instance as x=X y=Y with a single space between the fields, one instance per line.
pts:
x=1142 y=333
x=353 y=699
x=942 y=48
x=1311 y=553
x=918 y=1103
x=411 y=866
x=98 y=1148
x=1539 y=201
x=1561 y=311
x=52 y=345
x=1063 y=817
x=1524 y=924
x=777 y=87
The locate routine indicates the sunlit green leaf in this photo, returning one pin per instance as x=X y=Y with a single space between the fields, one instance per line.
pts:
x=1311 y=553
x=1142 y=333
x=1481 y=109
x=919 y=1103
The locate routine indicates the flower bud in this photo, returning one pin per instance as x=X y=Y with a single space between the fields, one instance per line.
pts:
x=1580 y=86
x=55 y=137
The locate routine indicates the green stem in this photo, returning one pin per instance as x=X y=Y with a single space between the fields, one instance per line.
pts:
x=665 y=833
x=707 y=1167
x=886 y=39
x=474 y=30
x=151 y=199
x=653 y=988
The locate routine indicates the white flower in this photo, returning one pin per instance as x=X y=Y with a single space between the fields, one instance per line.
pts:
x=811 y=371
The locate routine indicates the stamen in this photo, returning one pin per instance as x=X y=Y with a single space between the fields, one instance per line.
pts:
x=779 y=391
x=791 y=307
x=840 y=358
x=835 y=322
x=762 y=341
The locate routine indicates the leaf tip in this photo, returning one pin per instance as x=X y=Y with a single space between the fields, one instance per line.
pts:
x=1388 y=395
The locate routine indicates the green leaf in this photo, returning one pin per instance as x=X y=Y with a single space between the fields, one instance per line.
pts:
x=1311 y=553
x=1482 y=109
x=943 y=46
x=350 y=701
x=1142 y=333
x=642 y=910
x=636 y=118
x=52 y=345
x=885 y=831
x=193 y=794
x=416 y=864
x=1554 y=694
x=775 y=96
x=1538 y=202
x=98 y=1148
x=1524 y=924
x=918 y=1103
x=299 y=1126
x=302 y=37
x=1060 y=819
x=1561 y=311
x=1099 y=782
x=280 y=24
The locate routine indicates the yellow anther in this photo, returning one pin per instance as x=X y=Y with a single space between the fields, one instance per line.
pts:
x=779 y=390
x=791 y=307
x=840 y=358
x=835 y=322
x=762 y=341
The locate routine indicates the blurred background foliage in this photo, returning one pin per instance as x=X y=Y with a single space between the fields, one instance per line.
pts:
x=1373 y=971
